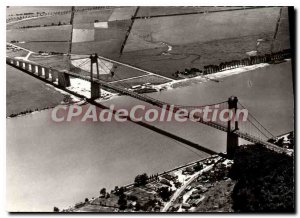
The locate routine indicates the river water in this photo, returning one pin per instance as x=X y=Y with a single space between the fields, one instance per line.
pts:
x=52 y=164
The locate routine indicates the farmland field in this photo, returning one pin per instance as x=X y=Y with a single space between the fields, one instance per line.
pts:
x=53 y=33
x=60 y=62
x=158 y=11
x=194 y=54
x=91 y=16
x=46 y=46
x=123 y=13
x=12 y=10
x=47 y=20
x=146 y=33
x=215 y=40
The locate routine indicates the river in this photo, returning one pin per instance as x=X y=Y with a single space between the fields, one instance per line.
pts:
x=52 y=164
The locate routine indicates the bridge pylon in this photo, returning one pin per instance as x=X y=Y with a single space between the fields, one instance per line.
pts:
x=232 y=138
x=95 y=87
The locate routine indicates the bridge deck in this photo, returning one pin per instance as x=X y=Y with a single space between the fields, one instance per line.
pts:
x=160 y=104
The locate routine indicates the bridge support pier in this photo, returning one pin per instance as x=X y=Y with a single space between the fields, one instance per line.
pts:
x=63 y=79
x=95 y=90
x=15 y=62
x=21 y=64
x=27 y=66
x=47 y=71
x=40 y=71
x=232 y=138
x=33 y=68
x=54 y=75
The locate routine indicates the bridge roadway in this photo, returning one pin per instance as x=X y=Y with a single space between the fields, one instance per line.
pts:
x=160 y=104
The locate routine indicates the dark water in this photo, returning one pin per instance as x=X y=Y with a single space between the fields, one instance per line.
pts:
x=60 y=164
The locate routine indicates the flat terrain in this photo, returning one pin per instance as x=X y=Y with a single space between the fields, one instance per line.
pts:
x=196 y=54
x=44 y=34
x=46 y=20
x=160 y=11
x=28 y=93
x=123 y=13
x=184 y=29
x=167 y=44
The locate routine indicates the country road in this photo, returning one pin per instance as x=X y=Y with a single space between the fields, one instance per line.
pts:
x=179 y=191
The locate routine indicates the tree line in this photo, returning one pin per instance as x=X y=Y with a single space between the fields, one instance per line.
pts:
x=266 y=58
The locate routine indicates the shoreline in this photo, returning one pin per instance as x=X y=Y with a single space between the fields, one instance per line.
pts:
x=173 y=170
x=83 y=87
x=200 y=79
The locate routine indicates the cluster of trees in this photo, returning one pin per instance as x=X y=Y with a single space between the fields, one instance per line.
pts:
x=45 y=25
x=198 y=167
x=165 y=193
x=280 y=141
x=265 y=180
x=28 y=111
x=208 y=69
x=141 y=180
x=51 y=52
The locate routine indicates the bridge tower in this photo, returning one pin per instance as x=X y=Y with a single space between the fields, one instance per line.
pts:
x=232 y=138
x=95 y=87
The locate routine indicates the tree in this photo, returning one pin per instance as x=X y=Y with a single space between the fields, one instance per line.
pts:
x=120 y=191
x=265 y=180
x=292 y=140
x=103 y=192
x=272 y=140
x=140 y=180
x=165 y=193
x=55 y=209
x=198 y=167
x=122 y=202
x=280 y=142
x=137 y=206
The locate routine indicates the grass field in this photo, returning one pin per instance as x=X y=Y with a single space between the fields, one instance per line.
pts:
x=178 y=30
x=91 y=16
x=221 y=41
x=23 y=92
x=21 y=53
x=194 y=54
x=123 y=13
x=60 y=62
x=53 y=33
x=157 y=11
x=12 y=10
x=48 y=20
x=107 y=42
x=46 y=46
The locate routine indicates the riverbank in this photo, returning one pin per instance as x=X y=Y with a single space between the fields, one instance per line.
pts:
x=211 y=77
x=181 y=183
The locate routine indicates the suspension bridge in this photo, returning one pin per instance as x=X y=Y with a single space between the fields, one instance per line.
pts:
x=250 y=130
